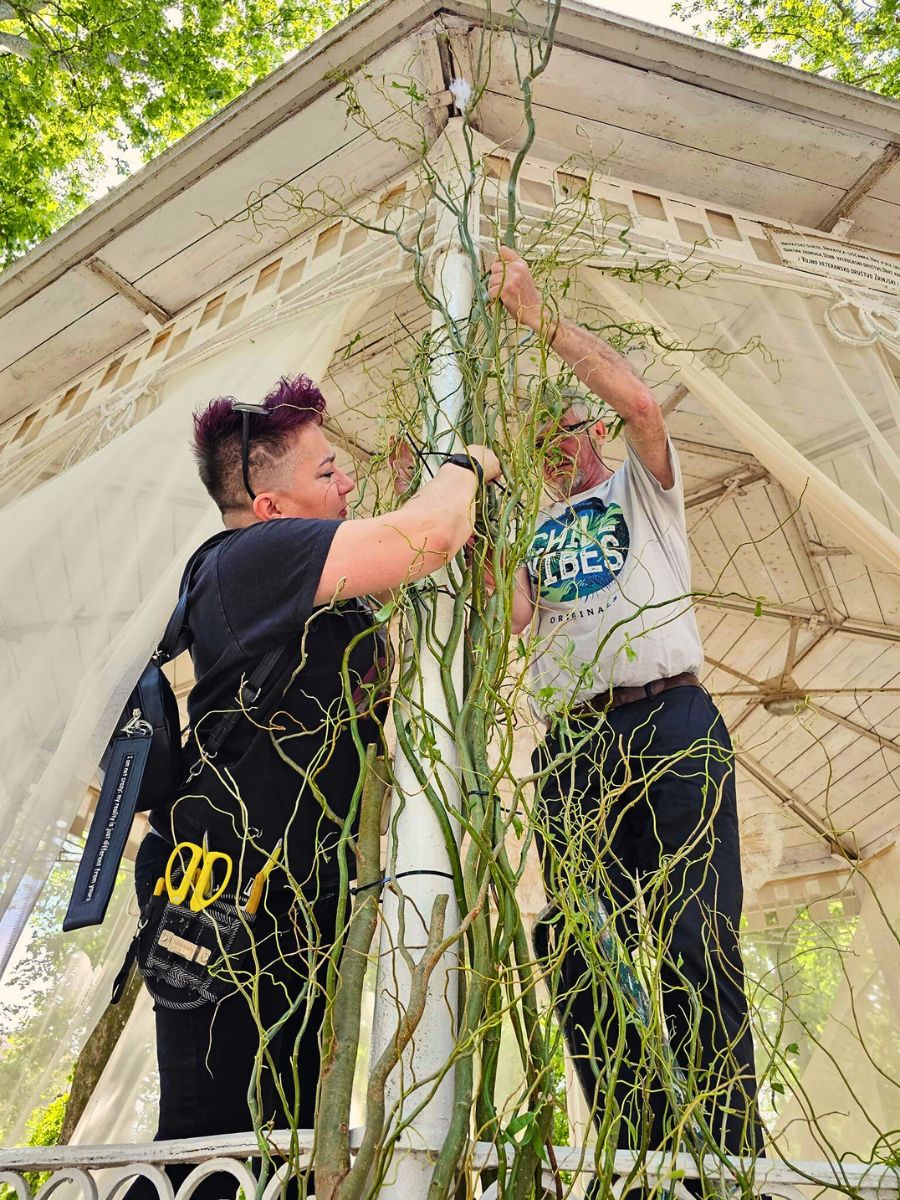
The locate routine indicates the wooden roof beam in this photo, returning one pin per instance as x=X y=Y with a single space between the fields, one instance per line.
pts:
x=789 y=799
x=132 y=294
x=788 y=509
x=723 y=666
x=724 y=453
x=789 y=612
x=734 y=481
x=855 y=727
x=675 y=397
x=857 y=193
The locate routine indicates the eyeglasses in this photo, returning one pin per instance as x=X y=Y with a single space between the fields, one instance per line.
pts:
x=248 y=410
x=563 y=431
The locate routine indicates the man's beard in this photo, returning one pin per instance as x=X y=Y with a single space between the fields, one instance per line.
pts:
x=568 y=483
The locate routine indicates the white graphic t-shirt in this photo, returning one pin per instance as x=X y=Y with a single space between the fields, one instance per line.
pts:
x=611 y=579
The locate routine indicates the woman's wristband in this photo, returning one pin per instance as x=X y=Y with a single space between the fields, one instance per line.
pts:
x=470 y=464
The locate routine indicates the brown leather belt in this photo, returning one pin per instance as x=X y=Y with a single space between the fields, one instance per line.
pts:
x=618 y=696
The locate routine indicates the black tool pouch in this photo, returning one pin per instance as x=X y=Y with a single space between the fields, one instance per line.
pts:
x=189 y=958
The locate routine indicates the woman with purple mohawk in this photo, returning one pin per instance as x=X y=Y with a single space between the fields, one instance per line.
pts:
x=289 y=571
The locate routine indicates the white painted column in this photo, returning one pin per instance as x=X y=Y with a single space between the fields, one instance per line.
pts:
x=416 y=841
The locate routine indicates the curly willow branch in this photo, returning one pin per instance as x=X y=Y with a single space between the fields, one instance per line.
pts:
x=507 y=1061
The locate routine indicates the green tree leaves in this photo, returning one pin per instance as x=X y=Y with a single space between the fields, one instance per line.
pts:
x=78 y=77
x=853 y=41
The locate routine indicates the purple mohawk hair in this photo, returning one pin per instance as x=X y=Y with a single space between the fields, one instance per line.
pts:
x=289 y=406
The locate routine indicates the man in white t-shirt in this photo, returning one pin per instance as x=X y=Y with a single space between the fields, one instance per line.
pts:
x=636 y=774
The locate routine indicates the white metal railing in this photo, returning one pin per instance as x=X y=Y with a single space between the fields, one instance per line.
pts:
x=73 y=1169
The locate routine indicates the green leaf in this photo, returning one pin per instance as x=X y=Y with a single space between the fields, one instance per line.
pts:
x=384 y=614
x=517 y=1124
x=537 y=1144
x=409 y=88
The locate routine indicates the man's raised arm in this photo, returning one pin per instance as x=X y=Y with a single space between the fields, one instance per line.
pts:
x=599 y=367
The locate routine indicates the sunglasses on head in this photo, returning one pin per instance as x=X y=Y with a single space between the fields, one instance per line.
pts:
x=246 y=411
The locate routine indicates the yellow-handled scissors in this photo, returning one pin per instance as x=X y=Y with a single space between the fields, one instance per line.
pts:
x=197 y=879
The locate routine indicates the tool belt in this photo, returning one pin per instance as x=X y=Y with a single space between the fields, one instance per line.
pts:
x=617 y=696
x=189 y=945
x=189 y=958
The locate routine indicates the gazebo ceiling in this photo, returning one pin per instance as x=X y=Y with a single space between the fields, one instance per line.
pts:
x=650 y=105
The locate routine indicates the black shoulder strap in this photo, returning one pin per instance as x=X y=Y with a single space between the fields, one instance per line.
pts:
x=247 y=697
x=177 y=636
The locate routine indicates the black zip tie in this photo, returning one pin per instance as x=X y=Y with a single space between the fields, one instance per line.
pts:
x=417 y=450
x=475 y=792
x=354 y=891
x=422 y=455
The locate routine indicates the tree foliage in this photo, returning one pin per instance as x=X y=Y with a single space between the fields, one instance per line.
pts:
x=79 y=78
x=852 y=41
x=44 y=1019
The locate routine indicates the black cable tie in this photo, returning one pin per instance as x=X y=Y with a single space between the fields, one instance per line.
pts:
x=354 y=891
x=422 y=455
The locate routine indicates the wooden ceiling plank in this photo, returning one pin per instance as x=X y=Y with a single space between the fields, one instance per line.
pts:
x=788 y=512
x=743 y=715
x=817 y=691
x=744 y=551
x=709 y=546
x=691 y=116
x=839 y=845
x=815 y=641
x=853 y=663
x=885 y=743
x=644 y=158
x=846 y=771
x=766 y=646
x=775 y=544
x=791 y=748
x=878 y=711
x=870 y=811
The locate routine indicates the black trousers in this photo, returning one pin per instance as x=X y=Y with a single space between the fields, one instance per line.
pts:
x=207 y=1055
x=638 y=808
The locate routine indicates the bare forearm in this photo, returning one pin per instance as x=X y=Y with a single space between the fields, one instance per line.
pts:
x=446 y=502
x=603 y=370
x=522 y=603
x=598 y=366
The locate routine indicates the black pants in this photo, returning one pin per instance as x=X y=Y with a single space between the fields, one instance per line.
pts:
x=638 y=809
x=207 y=1055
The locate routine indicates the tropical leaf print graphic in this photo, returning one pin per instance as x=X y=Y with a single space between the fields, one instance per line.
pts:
x=580 y=552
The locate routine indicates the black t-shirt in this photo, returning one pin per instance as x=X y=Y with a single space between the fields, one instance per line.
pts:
x=287 y=771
